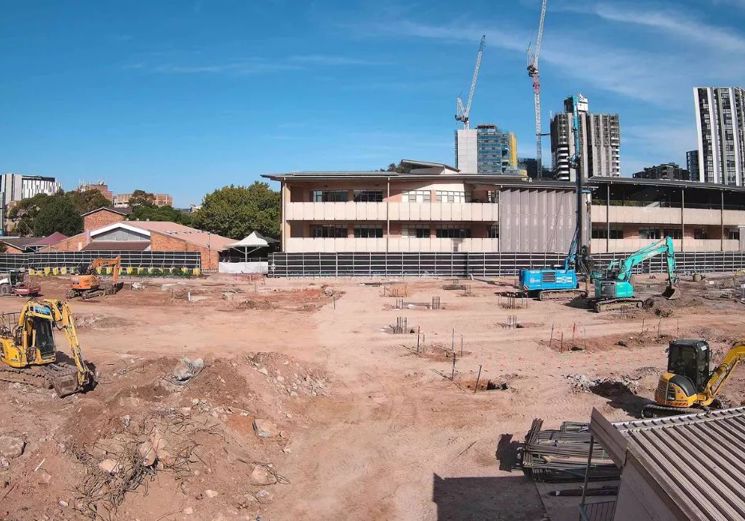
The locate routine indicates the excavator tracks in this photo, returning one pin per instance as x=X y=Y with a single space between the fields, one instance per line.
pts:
x=600 y=306
x=561 y=294
x=61 y=377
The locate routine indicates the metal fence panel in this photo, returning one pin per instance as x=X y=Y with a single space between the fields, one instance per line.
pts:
x=70 y=260
x=459 y=264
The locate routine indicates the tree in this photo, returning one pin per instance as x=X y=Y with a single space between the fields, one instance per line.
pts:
x=140 y=198
x=159 y=213
x=87 y=200
x=236 y=211
x=58 y=215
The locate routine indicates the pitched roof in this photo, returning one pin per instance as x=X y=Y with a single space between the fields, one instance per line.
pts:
x=180 y=231
x=698 y=460
x=20 y=243
x=50 y=239
x=120 y=211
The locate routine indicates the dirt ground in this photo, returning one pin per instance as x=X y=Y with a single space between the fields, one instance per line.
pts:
x=357 y=422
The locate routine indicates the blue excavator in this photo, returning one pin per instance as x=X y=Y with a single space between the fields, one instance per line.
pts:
x=613 y=287
x=562 y=282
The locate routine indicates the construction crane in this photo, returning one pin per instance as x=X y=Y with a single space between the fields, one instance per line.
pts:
x=688 y=382
x=463 y=113
x=534 y=51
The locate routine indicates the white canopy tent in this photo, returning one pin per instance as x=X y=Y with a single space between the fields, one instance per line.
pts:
x=251 y=243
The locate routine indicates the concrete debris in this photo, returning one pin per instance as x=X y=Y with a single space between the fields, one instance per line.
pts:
x=138 y=286
x=4 y=463
x=261 y=475
x=581 y=383
x=187 y=369
x=188 y=511
x=211 y=493
x=11 y=446
x=45 y=478
x=265 y=428
x=110 y=466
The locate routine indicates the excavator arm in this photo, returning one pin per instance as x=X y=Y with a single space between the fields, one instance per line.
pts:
x=722 y=373
x=661 y=247
x=64 y=321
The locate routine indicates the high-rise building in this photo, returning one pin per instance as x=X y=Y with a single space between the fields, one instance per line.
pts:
x=692 y=164
x=667 y=171
x=600 y=140
x=486 y=150
x=15 y=187
x=720 y=121
x=100 y=186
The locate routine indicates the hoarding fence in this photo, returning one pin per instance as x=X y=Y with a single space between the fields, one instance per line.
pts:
x=458 y=264
x=54 y=262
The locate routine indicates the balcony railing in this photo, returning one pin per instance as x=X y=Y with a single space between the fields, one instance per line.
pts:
x=394 y=244
x=395 y=211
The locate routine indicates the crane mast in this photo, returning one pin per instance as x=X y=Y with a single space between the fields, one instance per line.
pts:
x=533 y=55
x=463 y=113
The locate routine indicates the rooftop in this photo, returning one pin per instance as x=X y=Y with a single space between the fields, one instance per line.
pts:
x=694 y=462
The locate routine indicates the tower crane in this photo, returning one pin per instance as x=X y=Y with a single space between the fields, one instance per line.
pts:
x=463 y=113
x=534 y=52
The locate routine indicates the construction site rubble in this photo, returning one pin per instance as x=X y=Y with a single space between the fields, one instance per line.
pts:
x=11 y=446
x=187 y=369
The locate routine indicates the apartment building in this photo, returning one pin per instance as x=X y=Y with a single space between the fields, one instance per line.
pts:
x=100 y=186
x=600 y=142
x=122 y=200
x=720 y=121
x=669 y=171
x=692 y=165
x=486 y=150
x=436 y=208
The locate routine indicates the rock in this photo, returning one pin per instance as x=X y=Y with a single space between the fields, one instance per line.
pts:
x=211 y=493
x=110 y=466
x=4 y=463
x=187 y=369
x=126 y=420
x=228 y=295
x=265 y=428
x=263 y=371
x=138 y=286
x=147 y=453
x=45 y=478
x=329 y=292
x=188 y=511
x=264 y=496
x=62 y=503
x=260 y=475
x=11 y=446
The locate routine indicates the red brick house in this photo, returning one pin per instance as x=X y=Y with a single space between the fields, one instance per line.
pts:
x=101 y=217
x=145 y=236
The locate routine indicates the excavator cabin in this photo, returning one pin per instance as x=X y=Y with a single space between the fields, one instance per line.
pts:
x=688 y=360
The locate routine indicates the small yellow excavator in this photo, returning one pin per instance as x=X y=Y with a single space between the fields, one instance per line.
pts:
x=688 y=382
x=28 y=353
x=89 y=285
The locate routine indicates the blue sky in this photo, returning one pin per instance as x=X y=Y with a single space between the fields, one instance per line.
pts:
x=187 y=96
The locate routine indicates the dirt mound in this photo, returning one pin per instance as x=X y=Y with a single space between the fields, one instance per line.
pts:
x=96 y=321
x=151 y=438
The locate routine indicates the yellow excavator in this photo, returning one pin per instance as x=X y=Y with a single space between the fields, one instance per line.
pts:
x=29 y=355
x=89 y=285
x=688 y=382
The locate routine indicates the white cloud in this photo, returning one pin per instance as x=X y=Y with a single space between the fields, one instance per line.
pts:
x=675 y=23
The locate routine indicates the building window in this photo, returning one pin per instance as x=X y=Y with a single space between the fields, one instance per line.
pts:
x=602 y=233
x=493 y=232
x=418 y=232
x=324 y=231
x=700 y=233
x=417 y=196
x=649 y=233
x=733 y=234
x=368 y=232
x=444 y=196
x=452 y=232
x=368 y=196
x=673 y=233
x=330 y=196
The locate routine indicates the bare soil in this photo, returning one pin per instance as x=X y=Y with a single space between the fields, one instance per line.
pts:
x=365 y=426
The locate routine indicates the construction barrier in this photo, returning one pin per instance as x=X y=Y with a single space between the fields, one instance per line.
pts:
x=474 y=264
x=148 y=263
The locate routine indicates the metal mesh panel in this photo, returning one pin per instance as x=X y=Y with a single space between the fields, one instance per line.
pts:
x=464 y=264
x=146 y=259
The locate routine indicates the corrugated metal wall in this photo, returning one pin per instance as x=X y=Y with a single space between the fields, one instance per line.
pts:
x=533 y=220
